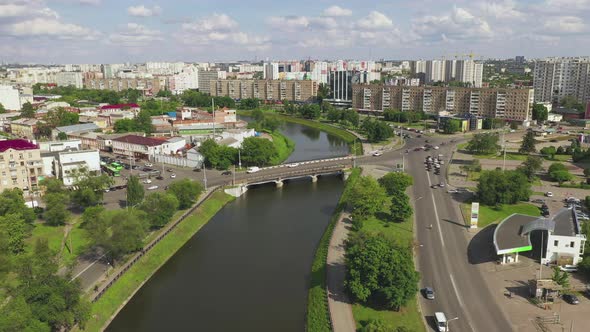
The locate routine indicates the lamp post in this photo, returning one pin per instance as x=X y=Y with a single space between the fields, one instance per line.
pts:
x=239 y=158
x=450 y=320
x=205 y=176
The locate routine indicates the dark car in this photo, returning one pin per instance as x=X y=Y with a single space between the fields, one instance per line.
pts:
x=226 y=173
x=169 y=170
x=159 y=177
x=197 y=169
x=570 y=298
x=428 y=293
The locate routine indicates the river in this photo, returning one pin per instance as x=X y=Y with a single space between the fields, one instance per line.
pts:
x=248 y=268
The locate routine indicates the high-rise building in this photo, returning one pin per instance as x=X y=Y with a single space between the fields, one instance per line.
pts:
x=519 y=59
x=207 y=77
x=468 y=71
x=271 y=71
x=557 y=78
x=435 y=71
x=271 y=90
x=21 y=165
x=507 y=104
x=70 y=79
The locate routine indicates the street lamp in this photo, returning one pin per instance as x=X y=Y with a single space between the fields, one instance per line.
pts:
x=450 y=320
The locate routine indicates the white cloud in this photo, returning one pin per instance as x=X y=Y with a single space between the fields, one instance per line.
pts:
x=216 y=22
x=564 y=25
x=143 y=11
x=135 y=35
x=568 y=4
x=49 y=27
x=459 y=24
x=337 y=11
x=288 y=22
x=90 y=2
x=501 y=10
x=374 y=21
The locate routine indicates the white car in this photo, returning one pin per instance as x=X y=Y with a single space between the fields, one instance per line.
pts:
x=252 y=169
x=549 y=194
x=152 y=188
x=569 y=268
x=172 y=176
x=377 y=153
x=149 y=165
x=453 y=191
x=441 y=184
x=293 y=165
x=436 y=147
x=147 y=181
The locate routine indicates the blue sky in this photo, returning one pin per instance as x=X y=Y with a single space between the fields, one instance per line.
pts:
x=102 y=31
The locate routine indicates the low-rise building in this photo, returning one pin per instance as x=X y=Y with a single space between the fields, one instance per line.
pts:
x=26 y=128
x=106 y=109
x=68 y=163
x=57 y=146
x=173 y=145
x=74 y=131
x=20 y=165
x=137 y=146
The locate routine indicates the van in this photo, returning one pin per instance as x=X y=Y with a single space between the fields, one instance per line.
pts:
x=253 y=169
x=441 y=321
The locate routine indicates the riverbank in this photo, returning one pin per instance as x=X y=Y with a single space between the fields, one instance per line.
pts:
x=284 y=145
x=318 y=316
x=115 y=298
x=345 y=135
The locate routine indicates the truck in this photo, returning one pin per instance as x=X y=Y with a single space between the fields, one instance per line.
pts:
x=252 y=169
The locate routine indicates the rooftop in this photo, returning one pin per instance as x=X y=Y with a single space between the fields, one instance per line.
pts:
x=117 y=106
x=78 y=127
x=139 y=140
x=507 y=235
x=17 y=144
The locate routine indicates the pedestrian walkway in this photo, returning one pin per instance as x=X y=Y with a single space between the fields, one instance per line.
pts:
x=338 y=302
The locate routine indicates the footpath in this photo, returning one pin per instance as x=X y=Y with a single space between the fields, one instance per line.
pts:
x=338 y=302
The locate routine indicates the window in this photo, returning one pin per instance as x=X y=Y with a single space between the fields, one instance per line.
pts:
x=30 y=155
x=555 y=243
x=572 y=244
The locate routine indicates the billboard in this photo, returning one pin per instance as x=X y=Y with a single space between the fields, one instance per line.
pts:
x=474 y=214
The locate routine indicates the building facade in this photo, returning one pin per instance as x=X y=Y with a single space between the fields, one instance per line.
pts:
x=557 y=78
x=150 y=86
x=508 y=104
x=271 y=90
x=20 y=165
x=10 y=98
x=69 y=79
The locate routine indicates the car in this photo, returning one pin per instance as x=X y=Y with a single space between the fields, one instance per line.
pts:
x=147 y=181
x=226 y=173
x=252 y=169
x=417 y=149
x=569 y=268
x=107 y=190
x=149 y=165
x=173 y=176
x=169 y=170
x=570 y=298
x=377 y=153
x=159 y=177
x=436 y=148
x=538 y=200
x=434 y=186
x=441 y=184
x=293 y=165
x=549 y=194
x=152 y=188
x=428 y=293
x=196 y=169
x=453 y=191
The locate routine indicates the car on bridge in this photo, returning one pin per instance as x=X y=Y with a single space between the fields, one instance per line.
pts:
x=252 y=169
x=377 y=153
x=293 y=165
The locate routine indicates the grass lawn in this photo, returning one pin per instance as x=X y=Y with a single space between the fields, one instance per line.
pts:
x=110 y=302
x=284 y=146
x=53 y=234
x=79 y=241
x=409 y=316
x=490 y=215
x=402 y=231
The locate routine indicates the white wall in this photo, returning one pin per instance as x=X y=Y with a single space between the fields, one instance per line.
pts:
x=54 y=146
x=90 y=158
x=10 y=98
x=564 y=248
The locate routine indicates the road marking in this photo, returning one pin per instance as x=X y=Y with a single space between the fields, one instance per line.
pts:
x=442 y=241
x=86 y=268
x=456 y=291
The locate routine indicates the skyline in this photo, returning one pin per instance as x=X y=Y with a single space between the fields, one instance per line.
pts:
x=106 y=31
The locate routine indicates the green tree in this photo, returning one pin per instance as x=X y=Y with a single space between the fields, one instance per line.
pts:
x=486 y=143
x=12 y=202
x=334 y=115
x=159 y=208
x=561 y=176
x=16 y=232
x=16 y=315
x=128 y=229
x=91 y=187
x=351 y=116
x=572 y=102
x=257 y=151
x=249 y=103
x=62 y=136
x=365 y=198
x=186 y=191
x=135 y=191
x=513 y=125
x=376 y=325
x=540 y=112
x=2 y=109
x=400 y=208
x=144 y=122
x=503 y=187
x=549 y=152
x=380 y=272
x=562 y=278
x=528 y=143
x=125 y=126
x=56 y=212
x=396 y=182
x=587 y=174
x=451 y=126
x=27 y=111
x=531 y=166
x=323 y=92
x=376 y=131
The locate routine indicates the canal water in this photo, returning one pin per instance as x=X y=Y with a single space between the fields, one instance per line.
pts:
x=248 y=269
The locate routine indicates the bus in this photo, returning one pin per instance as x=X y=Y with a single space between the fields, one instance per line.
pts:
x=116 y=166
x=112 y=171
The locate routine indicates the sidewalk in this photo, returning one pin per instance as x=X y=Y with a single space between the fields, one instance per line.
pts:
x=338 y=302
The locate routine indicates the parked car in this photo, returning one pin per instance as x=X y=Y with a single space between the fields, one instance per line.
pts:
x=147 y=181
x=377 y=153
x=149 y=165
x=570 y=298
x=172 y=176
x=159 y=177
x=196 y=169
x=442 y=184
x=169 y=170
x=549 y=194
x=453 y=191
x=152 y=188
x=428 y=293
x=569 y=268
x=226 y=173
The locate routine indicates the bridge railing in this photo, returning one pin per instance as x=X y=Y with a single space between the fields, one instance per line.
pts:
x=294 y=173
x=308 y=162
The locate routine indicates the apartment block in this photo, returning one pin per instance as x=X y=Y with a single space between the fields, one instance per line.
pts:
x=69 y=79
x=20 y=165
x=147 y=85
x=556 y=78
x=271 y=90
x=509 y=104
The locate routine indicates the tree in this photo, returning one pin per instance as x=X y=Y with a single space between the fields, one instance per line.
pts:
x=160 y=208
x=56 y=212
x=561 y=176
x=560 y=150
x=186 y=191
x=2 y=109
x=376 y=325
x=218 y=156
x=365 y=198
x=572 y=102
x=483 y=144
x=503 y=187
x=144 y=122
x=400 y=208
x=249 y=103
x=396 y=182
x=334 y=115
x=531 y=166
x=129 y=228
x=451 y=126
x=27 y=111
x=135 y=191
x=323 y=92
x=351 y=116
x=513 y=125
x=540 y=112
x=528 y=143
x=12 y=202
x=90 y=188
x=257 y=151
x=380 y=272
x=15 y=229
x=16 y=315
x=125 y=126
x=549 y=152
x=560 y=277
x=376 y=131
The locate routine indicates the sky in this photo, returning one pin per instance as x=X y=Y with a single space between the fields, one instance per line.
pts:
x=111 y=31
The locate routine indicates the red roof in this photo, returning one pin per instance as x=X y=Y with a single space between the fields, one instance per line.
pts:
x=17 y=144
x=139 y=140
x=117 y=106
